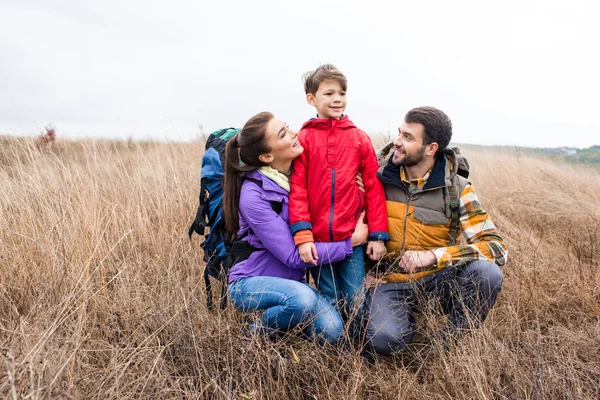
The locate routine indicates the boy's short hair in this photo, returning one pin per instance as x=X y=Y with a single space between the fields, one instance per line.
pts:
x=325 y=72
x=437 y=127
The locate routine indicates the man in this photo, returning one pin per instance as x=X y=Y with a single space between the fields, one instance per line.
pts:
x=424 y=196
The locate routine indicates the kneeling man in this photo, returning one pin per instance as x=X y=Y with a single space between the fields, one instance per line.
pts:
x=429 y=205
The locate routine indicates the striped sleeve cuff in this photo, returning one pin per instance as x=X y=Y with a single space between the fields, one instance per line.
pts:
x=444 y=258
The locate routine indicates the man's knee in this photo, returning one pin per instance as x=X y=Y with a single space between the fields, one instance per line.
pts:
x=391 y=338
x=487 y=274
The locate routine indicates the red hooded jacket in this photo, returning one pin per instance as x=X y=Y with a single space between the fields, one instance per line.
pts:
x=324 y=195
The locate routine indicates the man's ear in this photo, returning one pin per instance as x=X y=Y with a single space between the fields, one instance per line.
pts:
x=433 y=148
x=266 y=158
x=310 y=98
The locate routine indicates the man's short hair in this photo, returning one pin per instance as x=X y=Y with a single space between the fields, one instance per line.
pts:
x=437 y=126
x=325 y=72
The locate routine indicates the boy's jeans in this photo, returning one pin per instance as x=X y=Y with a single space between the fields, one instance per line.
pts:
x=286 y=303
x=341 y=283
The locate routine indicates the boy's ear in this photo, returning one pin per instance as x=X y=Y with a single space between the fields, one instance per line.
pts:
x=310 y=98
x=266 y=158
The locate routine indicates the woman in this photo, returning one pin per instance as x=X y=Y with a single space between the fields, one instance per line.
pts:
x=269 y=274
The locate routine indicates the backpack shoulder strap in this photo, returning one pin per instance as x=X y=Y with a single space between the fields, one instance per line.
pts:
x=275 y=205
x=454 y=208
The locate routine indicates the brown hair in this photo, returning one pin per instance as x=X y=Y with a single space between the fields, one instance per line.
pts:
x=241 y=155
x=437 y=127
x=325 y=72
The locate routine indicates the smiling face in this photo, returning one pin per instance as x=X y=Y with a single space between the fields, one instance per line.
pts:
x=408 y=146
x=283 y=143
x=329 y=100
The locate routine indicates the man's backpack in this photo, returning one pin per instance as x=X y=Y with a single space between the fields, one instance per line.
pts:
x=220 y=252
x=453 y=191
x=216 y=243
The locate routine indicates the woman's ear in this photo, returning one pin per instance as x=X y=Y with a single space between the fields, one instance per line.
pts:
x=266 y=158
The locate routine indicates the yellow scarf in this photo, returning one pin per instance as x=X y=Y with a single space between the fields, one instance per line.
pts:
x=276 y=177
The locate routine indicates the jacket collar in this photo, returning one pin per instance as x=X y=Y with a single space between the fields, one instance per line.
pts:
x=267 y=184
x=328 y=123
x=440 y=175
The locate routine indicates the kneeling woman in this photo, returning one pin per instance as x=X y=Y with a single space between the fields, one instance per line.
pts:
x=256 y=188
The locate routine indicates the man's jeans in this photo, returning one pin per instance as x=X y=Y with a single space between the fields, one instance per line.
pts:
x=466 y=293
x=341 y=283
x=286 y=303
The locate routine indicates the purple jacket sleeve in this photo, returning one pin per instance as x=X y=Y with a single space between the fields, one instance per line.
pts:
x=275 y=235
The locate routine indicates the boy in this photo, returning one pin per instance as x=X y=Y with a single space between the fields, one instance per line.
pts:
x=325 y=201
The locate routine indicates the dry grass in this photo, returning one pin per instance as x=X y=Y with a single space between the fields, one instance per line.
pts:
x=101 y=293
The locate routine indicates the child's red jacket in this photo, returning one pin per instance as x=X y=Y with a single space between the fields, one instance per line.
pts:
x=324 y=195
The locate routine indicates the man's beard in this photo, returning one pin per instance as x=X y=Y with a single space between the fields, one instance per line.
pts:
x=413 y=159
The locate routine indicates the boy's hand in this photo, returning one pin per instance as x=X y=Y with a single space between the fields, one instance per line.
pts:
x=308 y=253
x=376 y=249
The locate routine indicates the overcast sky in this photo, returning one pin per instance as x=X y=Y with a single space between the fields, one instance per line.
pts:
x=513 y=72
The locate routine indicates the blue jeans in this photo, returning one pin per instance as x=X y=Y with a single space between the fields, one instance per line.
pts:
x=465 y=293
x=286 y=303
x=341 y=283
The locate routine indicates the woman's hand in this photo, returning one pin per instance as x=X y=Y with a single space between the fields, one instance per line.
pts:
x=360 y=182
x=361 y=232
x=308 y=253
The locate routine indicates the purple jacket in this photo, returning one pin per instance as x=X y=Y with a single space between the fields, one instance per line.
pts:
x=271 y=232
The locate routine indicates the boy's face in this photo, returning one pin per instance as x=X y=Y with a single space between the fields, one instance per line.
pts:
x=330 y=100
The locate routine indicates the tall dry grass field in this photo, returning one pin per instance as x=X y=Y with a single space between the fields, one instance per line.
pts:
x=101 y=292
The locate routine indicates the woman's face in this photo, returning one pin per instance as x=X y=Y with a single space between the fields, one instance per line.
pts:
x=283 y=142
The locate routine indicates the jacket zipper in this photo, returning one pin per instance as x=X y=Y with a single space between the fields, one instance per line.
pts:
x=332 y=203
x=359 y=206
x=405 y=222
x=410 y=197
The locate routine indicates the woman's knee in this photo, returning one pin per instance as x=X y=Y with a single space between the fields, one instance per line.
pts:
x=326 y=321
x=329 y=327
x=303 y=300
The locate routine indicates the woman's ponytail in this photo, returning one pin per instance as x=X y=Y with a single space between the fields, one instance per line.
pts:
x=232 y=185
x=242 y=155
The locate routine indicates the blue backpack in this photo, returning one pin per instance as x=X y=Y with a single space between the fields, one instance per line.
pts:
x=220 y=252
x=216 y=243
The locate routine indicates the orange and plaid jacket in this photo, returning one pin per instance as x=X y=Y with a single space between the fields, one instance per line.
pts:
x=419 y=219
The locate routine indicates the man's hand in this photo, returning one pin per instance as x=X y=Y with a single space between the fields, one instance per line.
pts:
x=361 y=232
x=414 y=260
x=308 y=253
x=375 y=249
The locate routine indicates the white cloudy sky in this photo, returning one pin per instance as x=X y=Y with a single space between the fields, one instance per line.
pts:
x=517 y=72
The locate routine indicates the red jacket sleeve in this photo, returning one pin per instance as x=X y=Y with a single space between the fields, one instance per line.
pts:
x=374 y=194
x=299 y=214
